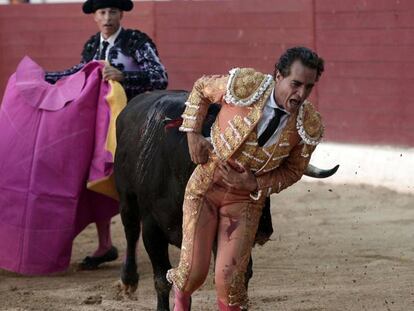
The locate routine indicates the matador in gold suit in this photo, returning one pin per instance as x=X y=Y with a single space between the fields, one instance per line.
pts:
x=226 y=193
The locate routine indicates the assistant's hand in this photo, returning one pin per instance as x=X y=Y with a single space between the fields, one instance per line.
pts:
x=111 y=73
x=237 y=177
x=199 y=147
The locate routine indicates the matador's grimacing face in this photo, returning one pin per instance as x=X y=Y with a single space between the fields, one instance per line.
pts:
x=292 y=90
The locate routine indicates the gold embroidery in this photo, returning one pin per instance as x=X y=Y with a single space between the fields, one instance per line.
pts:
x=245 y=86
x=237 y=289
x=234 y=141
x=197 y=186
x=281 y=148
x=309 y=124
x=206 y=90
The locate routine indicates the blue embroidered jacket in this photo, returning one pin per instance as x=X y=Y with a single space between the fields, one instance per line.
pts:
x=134 y=54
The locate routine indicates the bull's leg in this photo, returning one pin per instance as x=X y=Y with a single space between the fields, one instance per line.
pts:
x=130 y=216
x=156 y=245
x=265 y=229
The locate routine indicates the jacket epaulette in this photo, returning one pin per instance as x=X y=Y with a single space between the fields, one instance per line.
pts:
x=133 y=39
x=309 y=124
x=245 y=86
x=90 y=48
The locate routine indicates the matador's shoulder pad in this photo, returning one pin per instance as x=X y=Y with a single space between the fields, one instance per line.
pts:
x=133 y=40
x=309 y=124
x=245 y=86
x=90 y=47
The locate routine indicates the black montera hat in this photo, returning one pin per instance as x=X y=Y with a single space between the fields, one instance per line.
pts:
x=90 y=6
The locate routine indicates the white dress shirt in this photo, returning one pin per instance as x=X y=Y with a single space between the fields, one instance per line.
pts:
x=268 y=113
x=110 y=40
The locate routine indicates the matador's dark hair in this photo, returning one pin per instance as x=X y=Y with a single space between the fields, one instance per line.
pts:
x=307 y=57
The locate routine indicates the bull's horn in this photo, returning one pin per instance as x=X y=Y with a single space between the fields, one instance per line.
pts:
x=313 y=171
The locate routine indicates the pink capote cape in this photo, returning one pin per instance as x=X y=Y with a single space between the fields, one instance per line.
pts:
x=53 y=141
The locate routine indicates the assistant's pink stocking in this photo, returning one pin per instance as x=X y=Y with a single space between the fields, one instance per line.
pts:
x=104 y=237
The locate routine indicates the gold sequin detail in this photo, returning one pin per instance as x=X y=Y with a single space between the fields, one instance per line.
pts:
x=193 y=199
x=237 y=290
x=206 y=90
x=312 y=121
x=243 y=128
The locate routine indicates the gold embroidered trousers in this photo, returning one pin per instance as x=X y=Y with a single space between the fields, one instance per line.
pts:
x=213 y=212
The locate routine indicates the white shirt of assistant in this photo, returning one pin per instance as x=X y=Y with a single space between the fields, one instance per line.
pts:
x=110 y=40
x=268 y=113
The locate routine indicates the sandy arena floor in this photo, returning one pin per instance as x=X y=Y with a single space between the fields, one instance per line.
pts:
x=334 y=248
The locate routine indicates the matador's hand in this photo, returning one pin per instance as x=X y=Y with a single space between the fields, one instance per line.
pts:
x=111 y=73
x=237 y=177
x=199 y=147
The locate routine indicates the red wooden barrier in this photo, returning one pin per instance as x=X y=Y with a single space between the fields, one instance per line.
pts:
x=367 y=44
x=206 y=37
x=368 y=47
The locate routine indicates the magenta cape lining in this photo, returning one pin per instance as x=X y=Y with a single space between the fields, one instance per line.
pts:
x=52 y=140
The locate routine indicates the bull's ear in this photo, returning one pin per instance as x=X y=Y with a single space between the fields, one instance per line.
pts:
x=315 y=172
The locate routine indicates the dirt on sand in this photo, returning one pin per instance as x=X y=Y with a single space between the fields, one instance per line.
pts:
x=334 y=248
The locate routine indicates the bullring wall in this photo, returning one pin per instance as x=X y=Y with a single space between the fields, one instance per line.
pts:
x=364 y=95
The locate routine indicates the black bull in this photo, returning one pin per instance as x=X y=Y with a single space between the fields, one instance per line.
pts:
x=152 y=166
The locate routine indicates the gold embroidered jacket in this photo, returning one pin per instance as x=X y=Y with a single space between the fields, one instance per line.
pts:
x=242 y=95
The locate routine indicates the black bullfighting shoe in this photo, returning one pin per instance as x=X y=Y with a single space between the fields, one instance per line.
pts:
x=92 y=263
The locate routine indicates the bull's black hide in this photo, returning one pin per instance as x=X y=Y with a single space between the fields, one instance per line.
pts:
x=152 y=166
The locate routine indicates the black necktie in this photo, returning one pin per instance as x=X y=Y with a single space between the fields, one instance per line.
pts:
x=102 y=55
x=271 y=127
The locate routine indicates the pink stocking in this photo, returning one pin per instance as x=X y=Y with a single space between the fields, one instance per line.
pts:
x=224 y=307
x=182 y=300
x=104 y=236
